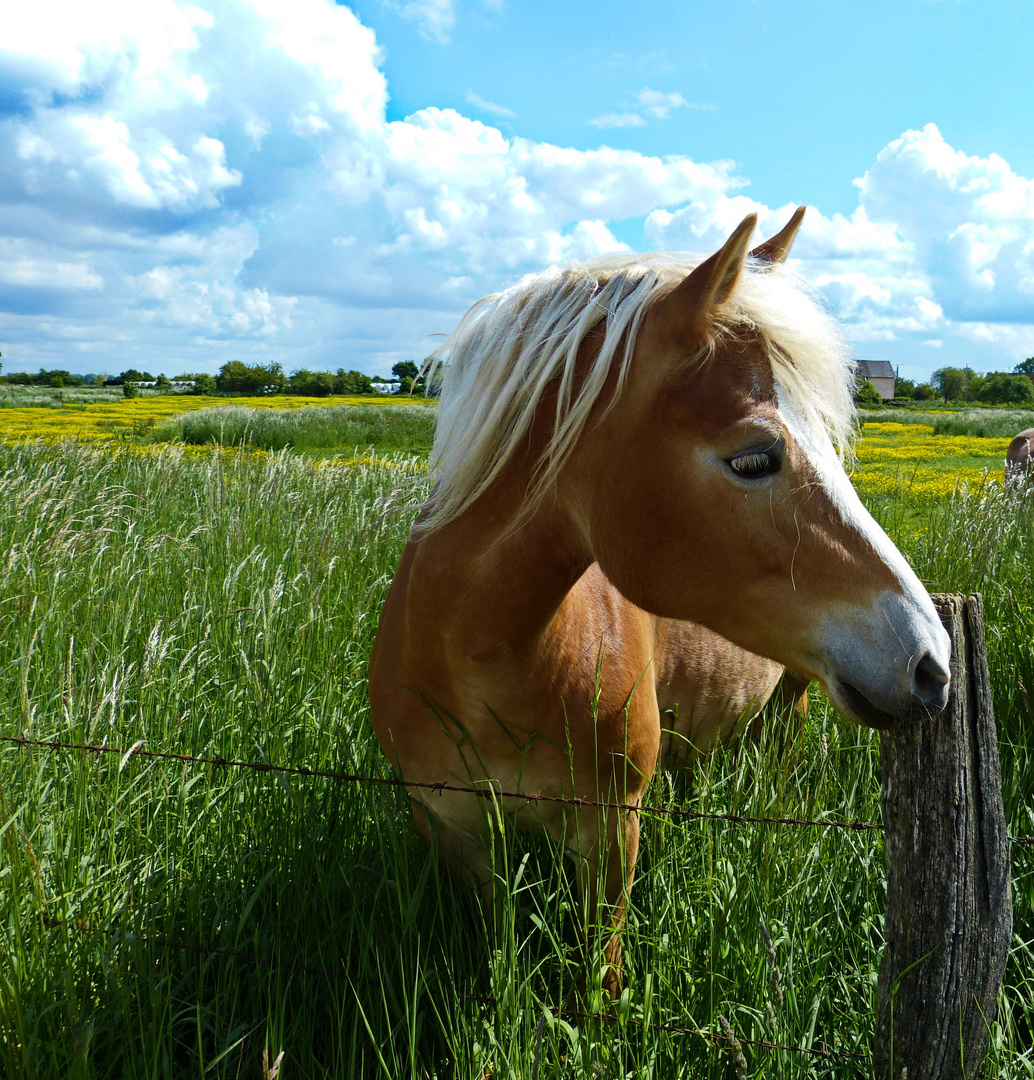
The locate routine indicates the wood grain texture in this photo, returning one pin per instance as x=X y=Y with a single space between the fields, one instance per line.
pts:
x=949 y=903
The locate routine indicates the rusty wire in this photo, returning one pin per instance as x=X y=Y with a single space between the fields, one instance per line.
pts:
x=488 y=792
x=240 y=956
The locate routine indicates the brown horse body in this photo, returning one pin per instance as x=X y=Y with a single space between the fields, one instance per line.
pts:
x=1019 y=458
x=699 y=521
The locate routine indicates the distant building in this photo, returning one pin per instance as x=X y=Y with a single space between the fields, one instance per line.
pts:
x=881 y=374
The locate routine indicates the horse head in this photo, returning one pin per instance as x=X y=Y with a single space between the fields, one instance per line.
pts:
x=708 y=488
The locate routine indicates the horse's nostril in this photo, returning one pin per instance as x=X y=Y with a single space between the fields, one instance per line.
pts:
x=931 y=682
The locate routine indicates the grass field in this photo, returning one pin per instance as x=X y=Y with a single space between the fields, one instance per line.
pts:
x=161 y=919
x=313 y=429
x=136 y=420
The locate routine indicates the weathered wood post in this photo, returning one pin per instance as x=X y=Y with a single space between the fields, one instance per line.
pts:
x=949 y=903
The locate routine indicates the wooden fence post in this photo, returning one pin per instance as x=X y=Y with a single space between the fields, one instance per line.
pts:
x=949 y=902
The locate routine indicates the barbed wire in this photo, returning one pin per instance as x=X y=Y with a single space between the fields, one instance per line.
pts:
x=490 y=792
x=84 y=926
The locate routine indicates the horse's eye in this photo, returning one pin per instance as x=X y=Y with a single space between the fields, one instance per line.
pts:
x=754 y=464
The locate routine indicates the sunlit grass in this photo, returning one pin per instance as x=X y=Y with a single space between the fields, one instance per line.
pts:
x=309 y=428
x=222 y=602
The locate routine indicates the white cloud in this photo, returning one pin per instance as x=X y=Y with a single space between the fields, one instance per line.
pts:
x=659 y=104
x=487 y=106
x=618 y=120
x=217 y=179
x=970 y=221
x=434 y=18
x=649 y=105
x=47 y=274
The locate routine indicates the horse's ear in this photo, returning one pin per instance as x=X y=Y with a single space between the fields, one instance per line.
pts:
x=713 y=281
x=776 y=249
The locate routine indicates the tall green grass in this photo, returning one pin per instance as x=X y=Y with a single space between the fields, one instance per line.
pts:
x=13 y=396
x=224 y=606
x=986 y=423
x=996 y=423
x=310 y=428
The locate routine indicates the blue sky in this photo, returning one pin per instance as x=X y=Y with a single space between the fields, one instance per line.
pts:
x=184 y=183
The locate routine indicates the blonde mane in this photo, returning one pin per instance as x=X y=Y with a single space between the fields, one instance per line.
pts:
x=510 y=346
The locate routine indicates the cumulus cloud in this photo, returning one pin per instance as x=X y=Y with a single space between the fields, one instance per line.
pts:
x=969 y=219
x=215 y=179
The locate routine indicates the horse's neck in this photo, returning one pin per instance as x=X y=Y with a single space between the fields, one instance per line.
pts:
x=492 y=586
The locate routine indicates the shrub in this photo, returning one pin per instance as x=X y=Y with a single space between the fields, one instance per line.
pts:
x=311 y=383
x=352 y=382
x=866 y=396
x=1002 y=389
x=239 y=378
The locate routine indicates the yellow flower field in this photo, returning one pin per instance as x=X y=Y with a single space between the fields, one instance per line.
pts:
x=909 y=461
x=135 y=418
x=905 y=460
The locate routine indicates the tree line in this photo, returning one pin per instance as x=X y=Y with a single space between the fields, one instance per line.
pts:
x=236 y=378
x=994 y=388
x=952 y=384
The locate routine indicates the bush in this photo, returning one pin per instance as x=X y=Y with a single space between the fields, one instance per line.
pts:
x=866 y=396
x=352 y=382
x=311 y=383
x=129 y=390
x=204 y=384
x=238 y=378
x=924 y=392
x=904 y=388
x=1002 y=389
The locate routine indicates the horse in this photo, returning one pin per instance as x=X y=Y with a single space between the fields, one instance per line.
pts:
x=639 y=510
x=1019 y=458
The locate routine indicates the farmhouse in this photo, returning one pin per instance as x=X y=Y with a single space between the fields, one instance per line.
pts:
x=881 y=374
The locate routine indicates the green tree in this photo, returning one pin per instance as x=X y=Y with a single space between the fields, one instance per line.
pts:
x=352 y=382
x=204 y=384
x=924 y=392
x=1002 y=389
x=236 y=377
x=311 y=383
x=904 y=388
x=953 y=384
x=162 y=382
x=1025 y=367
x=405 y=369
x=129 y=390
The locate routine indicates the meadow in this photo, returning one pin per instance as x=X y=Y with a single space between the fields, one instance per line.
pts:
x=161 y=918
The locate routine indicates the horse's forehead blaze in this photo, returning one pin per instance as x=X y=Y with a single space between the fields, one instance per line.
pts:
x=835 y=516
x=845 y=537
